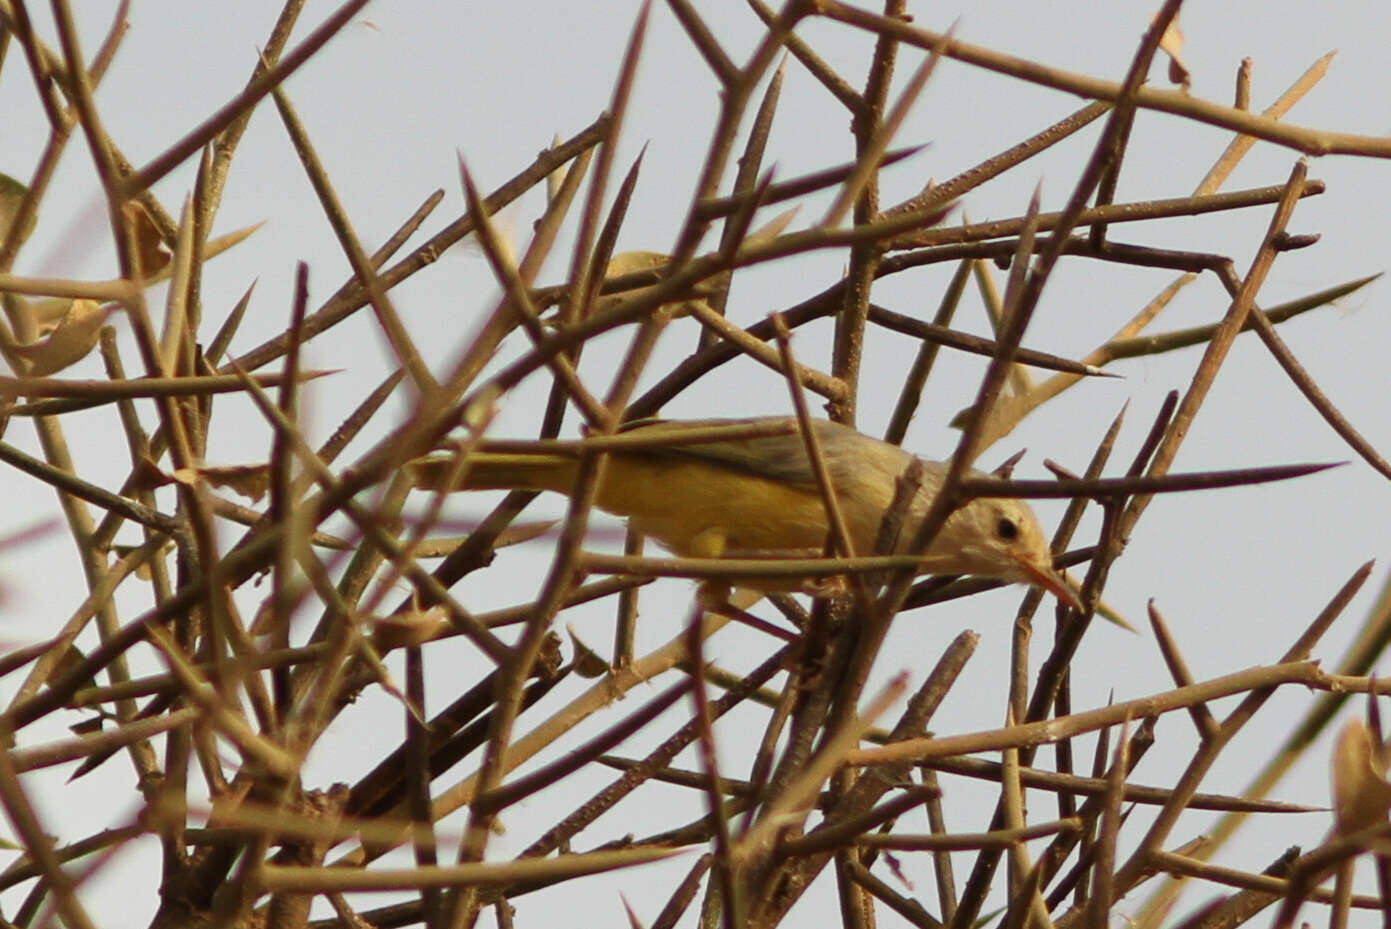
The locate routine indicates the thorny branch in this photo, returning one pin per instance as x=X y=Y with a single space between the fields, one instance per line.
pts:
x=220 y=739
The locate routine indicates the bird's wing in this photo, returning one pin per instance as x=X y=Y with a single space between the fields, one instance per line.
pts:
x=781 y=458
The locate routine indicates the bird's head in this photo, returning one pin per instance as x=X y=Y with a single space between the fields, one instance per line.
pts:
x=1000 y=537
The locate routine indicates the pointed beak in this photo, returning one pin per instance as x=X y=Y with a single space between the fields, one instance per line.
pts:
x=1051 y=581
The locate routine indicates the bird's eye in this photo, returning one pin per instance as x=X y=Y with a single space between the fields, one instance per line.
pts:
x=1007 y=528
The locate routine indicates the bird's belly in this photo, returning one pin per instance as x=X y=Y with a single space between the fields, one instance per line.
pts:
x=697 y=510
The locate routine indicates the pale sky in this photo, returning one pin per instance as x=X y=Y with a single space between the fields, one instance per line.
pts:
x=409 y=89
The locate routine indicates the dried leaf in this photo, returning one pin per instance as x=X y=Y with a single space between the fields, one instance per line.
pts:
x=1172 y=44
x=147 y=475
x=251 y=481
x=12 y=194
x=1361 y=794
x=47 y=312
x=71 y=340
x=149 y=244
x=588 y=663
x=72 y=658
x=411 y=627
x=633 y=262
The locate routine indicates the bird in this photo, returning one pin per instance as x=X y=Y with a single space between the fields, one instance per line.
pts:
x=757 y=496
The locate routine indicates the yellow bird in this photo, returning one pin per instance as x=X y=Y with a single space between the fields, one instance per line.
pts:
x=757 y=497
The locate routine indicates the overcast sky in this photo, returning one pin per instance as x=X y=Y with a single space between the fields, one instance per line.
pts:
x=410 y=88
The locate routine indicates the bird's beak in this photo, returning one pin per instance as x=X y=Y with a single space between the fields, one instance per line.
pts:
x=1051 y=581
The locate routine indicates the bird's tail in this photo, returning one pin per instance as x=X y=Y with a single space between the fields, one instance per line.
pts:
x=495 y=471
